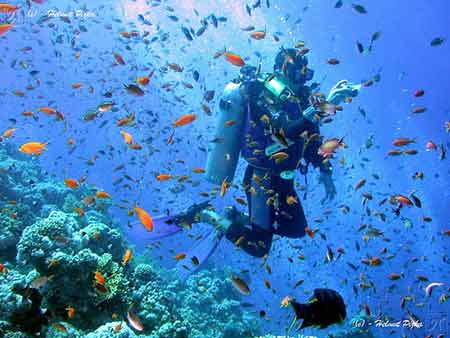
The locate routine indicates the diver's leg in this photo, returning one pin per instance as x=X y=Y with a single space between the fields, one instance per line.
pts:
x=254 y=241
x=290 y=219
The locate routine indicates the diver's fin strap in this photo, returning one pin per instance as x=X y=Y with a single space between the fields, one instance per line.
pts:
x=276 y=147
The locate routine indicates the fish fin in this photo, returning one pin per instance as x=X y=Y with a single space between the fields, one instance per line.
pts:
x=202 y=251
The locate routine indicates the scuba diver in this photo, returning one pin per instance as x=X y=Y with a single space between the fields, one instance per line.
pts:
x=270 y=119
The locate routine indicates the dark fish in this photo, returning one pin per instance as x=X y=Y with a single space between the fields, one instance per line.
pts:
x=201 y=30
x=416 y=201
x=375 y=36
x=249 y=10
x=437 y=42
x=359 y=8
x=338 y=4
x=360 y=47
x=257 y=4
x=186 y=33
x=325 y=307
x=195 y=75
x=267 y=3
x=173 y=18
x=134 y=90
x=222 y=19
x=214 y=21
x=209 y=95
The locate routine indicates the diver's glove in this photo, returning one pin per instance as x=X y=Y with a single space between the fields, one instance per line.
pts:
x=330 y=188
x=342 y=90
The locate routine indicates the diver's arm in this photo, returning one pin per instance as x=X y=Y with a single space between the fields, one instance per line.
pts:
x=342 y=90
x=312 y=156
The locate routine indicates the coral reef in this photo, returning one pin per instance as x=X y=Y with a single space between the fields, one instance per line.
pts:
x=54 y=259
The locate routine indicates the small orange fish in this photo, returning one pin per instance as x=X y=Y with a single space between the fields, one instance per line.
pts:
x=402 y=141
x=3 y=268
x=286 y=301
x=291 y=200
x=4 y=28
x=145 y=218
x=70 y=311
x=224 y=187
x=71 y=183
x=99 y=278
x=185 y=119
x=79 y=211
x=127 y=257
x=163 y=177
x=59 y=327
x=375 y=261
x=47 y=110
x=33 y=148
x=419 y=110
x=119 y=59
x=309 y=232
x=403 y=200
x=198 y=170
x=234 y=59
x=135 y=146
x=333 y=61
x=118 y=328
x=127 y=137
x=258 y=35
x=77 y=85
x=8 y=133
x=180 y=256
x=27 y=113
x=8 y=8
x=394 y=276
x=102 y=194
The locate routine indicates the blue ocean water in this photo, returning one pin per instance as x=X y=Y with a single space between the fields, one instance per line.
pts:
x=76 y=42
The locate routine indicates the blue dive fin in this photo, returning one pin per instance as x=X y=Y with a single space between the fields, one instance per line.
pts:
x=199 y=254
x=163 y=226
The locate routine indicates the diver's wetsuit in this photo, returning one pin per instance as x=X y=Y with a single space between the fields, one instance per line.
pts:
x=267 y=192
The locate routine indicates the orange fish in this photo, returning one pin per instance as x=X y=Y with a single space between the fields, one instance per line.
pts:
x=163 y=177
x=71 y=183
x=333 y=61
x=135 y=146
x=198 y=170
x=402 y=141
x=145 y=218
x=3 y=268
x=224 y=187
x=127 y=257
x=33 y=148
x=8 y=8
x=180 y=256
x=309 y=232
x=4 y=28
x=77 y=85
x=59 y=327
x=8 y=133
x=127 y=137
x=118 y=58
x=47 y=110
x=102 y=194
x=234 y=59
x=185 y=119
x=79 y=211
x=286 y=301
x=258 y=35
x=99 y=278
x=403 y=200
x=70 y=311
x=419 y=110
x=27 y=113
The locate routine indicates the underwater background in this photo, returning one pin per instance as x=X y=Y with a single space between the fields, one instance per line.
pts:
x=68 y=212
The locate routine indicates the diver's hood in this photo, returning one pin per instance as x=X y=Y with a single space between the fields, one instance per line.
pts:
x=291 y=63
